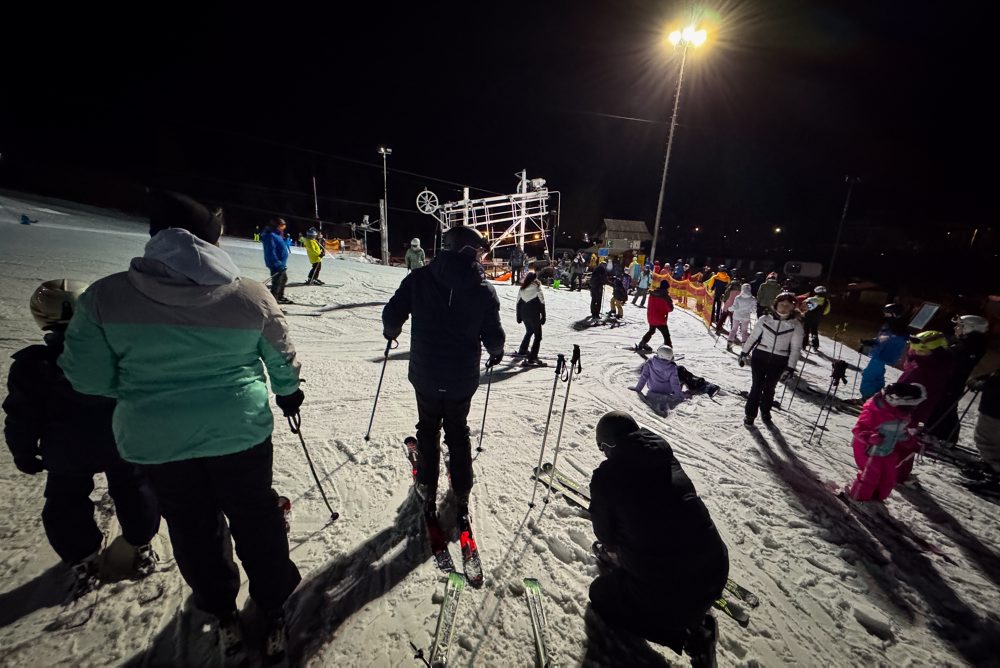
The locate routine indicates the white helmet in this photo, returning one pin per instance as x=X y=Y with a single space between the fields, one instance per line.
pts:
x=53 y=302
x=415 y=242
x=971 y=323
x=665 y=353
x=820 y=289
x=904 y=394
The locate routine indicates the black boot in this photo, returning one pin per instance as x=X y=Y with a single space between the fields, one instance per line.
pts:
x=700 y=643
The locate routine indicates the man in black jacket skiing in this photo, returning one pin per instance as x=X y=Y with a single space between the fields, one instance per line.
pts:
x=663 y=561
x=455 y=312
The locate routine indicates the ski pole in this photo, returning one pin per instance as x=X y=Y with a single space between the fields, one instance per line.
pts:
x=482 y=427
x=857 y=372
x=962 y=416
x=388 y=347
x=295 y=424
x=571 y=369
x=560 y=361
x=822 y=407
x=798 y=377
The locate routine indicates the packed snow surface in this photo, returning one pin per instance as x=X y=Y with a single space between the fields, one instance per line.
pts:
x=836 y=587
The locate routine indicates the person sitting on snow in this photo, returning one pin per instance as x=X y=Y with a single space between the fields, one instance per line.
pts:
x=662 y=562
x=665 y=378
x=883 y=424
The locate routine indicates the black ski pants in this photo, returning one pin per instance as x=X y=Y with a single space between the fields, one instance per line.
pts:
x=810 y=330
x=640 y=292
x=718 y=303
x=765 y=370
x=453 y=415
x=596 y=297
x=196 y=497
x=314 y=271
x=662 y=329
x=515 y=275
x=68 y=515
x=532 y=328
x=279 y=279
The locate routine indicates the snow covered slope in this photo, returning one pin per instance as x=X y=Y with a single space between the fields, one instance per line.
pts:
x=833 y=592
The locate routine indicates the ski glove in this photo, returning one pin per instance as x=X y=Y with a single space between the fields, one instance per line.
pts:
x=391 y=336
x=787 y=373
x=494 y=359
x=290 y=403
x=30 y=465
x=742 y=361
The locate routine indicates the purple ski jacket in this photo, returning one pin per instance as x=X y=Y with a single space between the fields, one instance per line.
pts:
x=661 y=377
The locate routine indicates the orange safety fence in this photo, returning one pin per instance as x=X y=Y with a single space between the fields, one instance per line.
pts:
x=693 y=297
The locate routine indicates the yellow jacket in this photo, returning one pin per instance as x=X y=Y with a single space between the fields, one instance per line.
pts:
x=313 y=250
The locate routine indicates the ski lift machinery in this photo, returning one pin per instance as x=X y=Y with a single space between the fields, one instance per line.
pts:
x=521 y=218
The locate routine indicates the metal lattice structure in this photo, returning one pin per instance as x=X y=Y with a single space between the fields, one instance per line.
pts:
x=504 y=220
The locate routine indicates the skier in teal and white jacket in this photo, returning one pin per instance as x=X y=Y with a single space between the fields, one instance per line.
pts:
x=181 y=342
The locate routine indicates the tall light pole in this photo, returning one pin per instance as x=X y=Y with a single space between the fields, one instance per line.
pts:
x=685 y=39
x=385 y=152
x=851 y=180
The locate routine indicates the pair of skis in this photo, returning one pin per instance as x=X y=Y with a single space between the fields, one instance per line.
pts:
x=439 y=540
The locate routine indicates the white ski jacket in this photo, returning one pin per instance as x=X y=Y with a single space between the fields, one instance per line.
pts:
x=777 y=336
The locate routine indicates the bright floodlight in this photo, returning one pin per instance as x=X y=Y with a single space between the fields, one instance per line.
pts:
x=689 y=36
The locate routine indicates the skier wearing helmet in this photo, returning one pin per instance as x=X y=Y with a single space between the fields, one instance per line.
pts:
x=415 y=258
x=51 y=427
x=775 y=344
x=966 y=351
x=662 y=562
x=315 y=252
x=881 y=427
x=929 y=364
x=817 y=306
x=884 y=349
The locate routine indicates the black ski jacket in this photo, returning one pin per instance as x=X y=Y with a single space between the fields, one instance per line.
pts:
x=599 y=278
x=46 y=416
x=645 y=508
x=455 y=312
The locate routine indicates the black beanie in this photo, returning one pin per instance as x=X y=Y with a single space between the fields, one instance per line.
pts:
x=170 y=209
x=615 y=426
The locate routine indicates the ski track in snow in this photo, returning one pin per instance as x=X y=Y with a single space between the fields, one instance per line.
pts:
x=837 y=587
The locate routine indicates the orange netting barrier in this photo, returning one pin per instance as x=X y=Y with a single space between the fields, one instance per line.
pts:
x=693 y=297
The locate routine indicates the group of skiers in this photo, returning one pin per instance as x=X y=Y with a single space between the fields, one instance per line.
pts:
x=276 y=251
x=175 y=349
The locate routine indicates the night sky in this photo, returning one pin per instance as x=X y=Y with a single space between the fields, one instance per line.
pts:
x=242 y=106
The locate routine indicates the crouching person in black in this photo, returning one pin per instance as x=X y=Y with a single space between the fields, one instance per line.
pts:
x=51 y=427
x=663 y=561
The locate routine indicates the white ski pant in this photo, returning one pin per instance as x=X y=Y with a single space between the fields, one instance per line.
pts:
x=740 y=330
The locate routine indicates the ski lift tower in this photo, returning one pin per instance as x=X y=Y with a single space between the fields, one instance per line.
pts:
x=503 y=220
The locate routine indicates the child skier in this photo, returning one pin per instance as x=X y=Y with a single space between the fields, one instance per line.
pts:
x=315 y=253
x=531 y=311
x=882 y=425
x=666 y=379
x=743 y=307
x=51 y=427
x=929 y=364
x=619 y=295
x=660 y=306
x=883 y=350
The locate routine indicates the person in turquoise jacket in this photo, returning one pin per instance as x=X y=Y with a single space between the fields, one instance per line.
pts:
x=181 y=342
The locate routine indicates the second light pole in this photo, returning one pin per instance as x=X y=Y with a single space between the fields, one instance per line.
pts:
x=684 y=38
x=385 y=152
